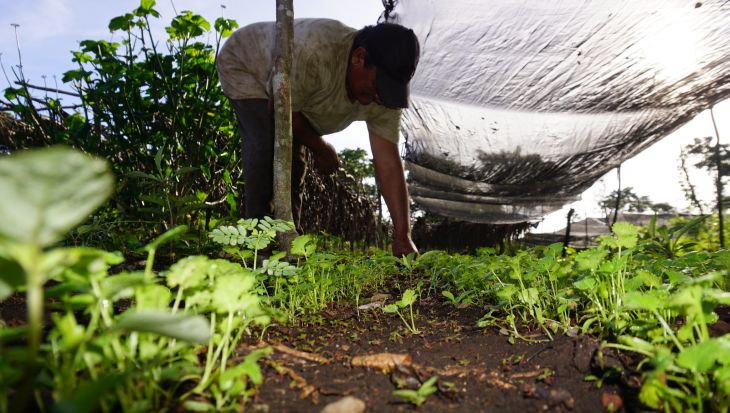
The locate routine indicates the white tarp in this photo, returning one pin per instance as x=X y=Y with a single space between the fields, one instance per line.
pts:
x=519 y=106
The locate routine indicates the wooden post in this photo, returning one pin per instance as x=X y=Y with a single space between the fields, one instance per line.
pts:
x=618 y=199
x=566 y=240
x=718 y=183
x=282 y=117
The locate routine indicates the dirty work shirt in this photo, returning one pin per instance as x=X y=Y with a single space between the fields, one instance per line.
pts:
x=321 y=52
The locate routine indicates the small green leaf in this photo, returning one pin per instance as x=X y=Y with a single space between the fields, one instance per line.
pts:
x=123 y=22
x=194 y=329
x=635 y=300
x=147 y=4
x=231 y=293
x=8 y=334
x=390 y=308
x=153 y=296
x=121 y=286
x=72 y=334
x=586 y=284
x=409 y=297
x=590 y=259
x=249 y=368
x=701 y=357
x=188 y=272
x=304 y=245
x=198 y=406
x=627 y=234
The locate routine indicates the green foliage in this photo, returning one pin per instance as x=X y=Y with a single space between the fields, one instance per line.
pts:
x=356 y=164
x=651 y=289
x=111 y=361
x=155 y=109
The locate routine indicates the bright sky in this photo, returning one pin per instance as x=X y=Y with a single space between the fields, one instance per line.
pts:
x=50 y=29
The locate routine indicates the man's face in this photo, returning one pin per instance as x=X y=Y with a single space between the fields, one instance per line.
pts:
x=361 y=79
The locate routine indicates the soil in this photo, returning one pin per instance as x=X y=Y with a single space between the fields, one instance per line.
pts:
x=478 y=369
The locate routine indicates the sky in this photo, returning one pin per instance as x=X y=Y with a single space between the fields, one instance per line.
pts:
x=50 y=29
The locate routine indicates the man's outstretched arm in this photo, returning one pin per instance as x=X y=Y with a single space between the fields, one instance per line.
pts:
x=392 y=182
x=325 y=156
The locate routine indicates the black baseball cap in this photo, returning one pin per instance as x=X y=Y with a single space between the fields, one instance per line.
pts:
x=394 y=50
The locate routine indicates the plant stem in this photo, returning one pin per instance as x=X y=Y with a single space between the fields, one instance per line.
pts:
x=34 y=304
x=150 y=261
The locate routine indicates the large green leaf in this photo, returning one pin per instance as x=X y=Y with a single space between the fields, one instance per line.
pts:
x=46 y=192
x=194 y=329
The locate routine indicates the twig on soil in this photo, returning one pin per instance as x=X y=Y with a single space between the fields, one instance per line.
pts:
x=300 y=354
x=301 y=383
x=535 y=354
x=493 y=380
x=527 y=374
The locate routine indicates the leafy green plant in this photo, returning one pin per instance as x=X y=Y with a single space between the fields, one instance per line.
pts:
x=671 y=240
x=94 y=357
x=689 y=368
x=50 y=191
x=144 y=103
x=249 y=237
x=419 y=396
x=462 y=299
x=407 y=300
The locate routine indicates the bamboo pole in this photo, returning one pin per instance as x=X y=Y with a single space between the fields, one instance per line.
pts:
x=283 y=117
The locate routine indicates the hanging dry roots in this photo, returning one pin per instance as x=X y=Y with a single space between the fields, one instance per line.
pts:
x=332 y=204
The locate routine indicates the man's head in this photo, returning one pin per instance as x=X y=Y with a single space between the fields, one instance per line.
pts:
x=382 y=62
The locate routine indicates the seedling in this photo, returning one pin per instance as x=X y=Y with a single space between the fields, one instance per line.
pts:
x=407 y=300
x=418 y=397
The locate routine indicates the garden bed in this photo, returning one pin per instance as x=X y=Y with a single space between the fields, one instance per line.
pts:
x=478 y=369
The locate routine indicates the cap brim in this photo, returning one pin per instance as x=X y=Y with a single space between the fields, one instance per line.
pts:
x=392 y=93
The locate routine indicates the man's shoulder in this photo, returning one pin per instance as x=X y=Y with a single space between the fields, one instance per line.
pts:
x=303 y=23
x=320 y=26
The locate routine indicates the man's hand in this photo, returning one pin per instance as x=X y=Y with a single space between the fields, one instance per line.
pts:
x=325 y=159
x=403 y=245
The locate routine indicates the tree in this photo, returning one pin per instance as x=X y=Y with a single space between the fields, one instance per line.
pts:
x=356 y=163
x=713 y=158
x=629 y=201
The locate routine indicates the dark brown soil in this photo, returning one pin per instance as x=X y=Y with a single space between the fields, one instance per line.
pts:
x=479 y=370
